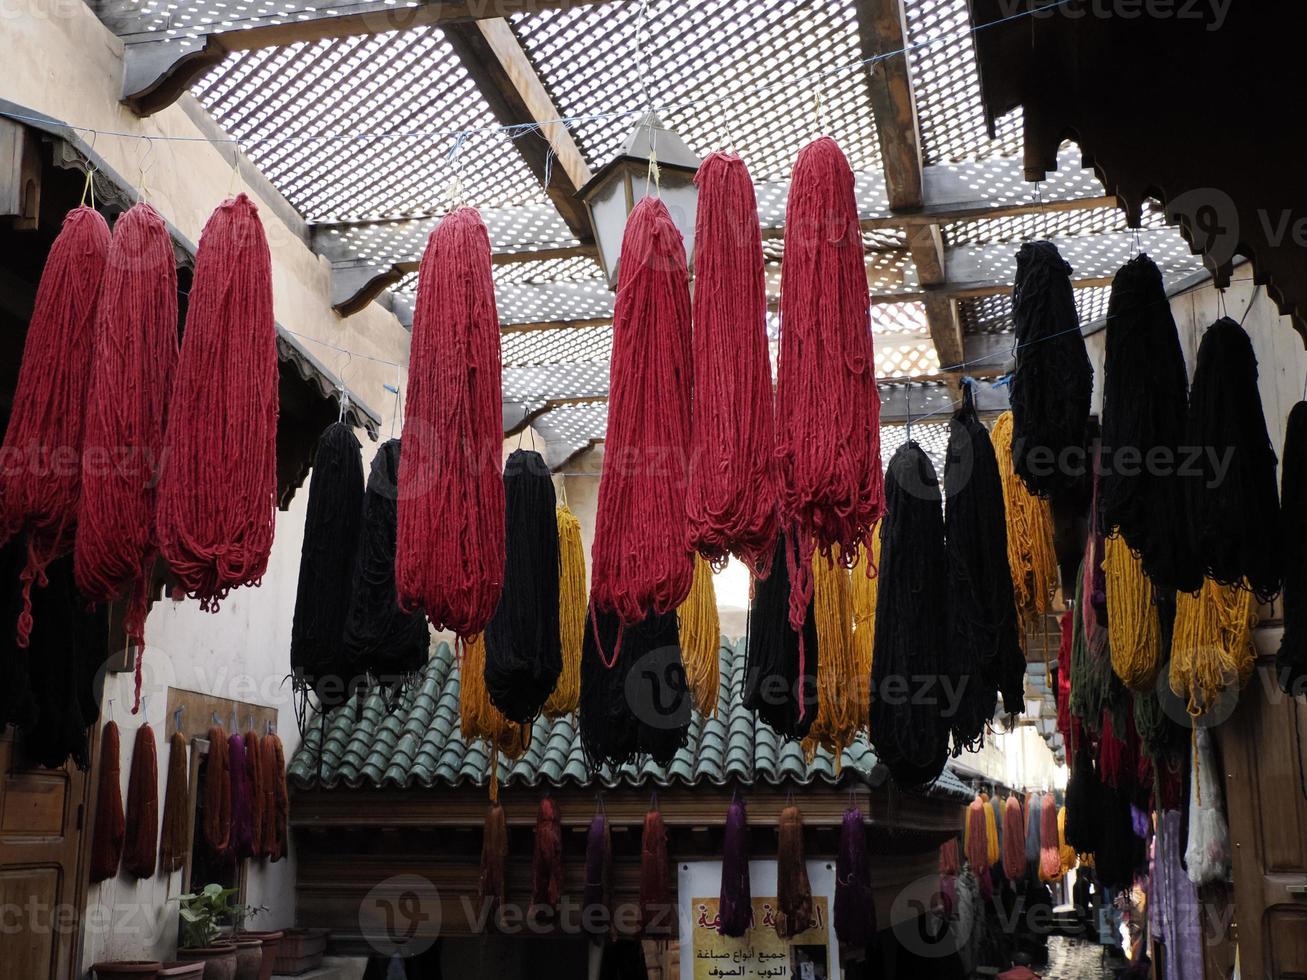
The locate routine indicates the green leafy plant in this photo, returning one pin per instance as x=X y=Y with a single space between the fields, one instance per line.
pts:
x=202 y=913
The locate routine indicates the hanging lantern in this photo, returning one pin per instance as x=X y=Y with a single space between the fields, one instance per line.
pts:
x=612 y=192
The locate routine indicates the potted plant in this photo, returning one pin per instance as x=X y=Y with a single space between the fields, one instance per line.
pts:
x=182 y=971
x=127 y=970
x=201 y=935
x=250 y=952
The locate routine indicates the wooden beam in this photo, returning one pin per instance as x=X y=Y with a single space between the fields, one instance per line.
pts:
x=881 y=29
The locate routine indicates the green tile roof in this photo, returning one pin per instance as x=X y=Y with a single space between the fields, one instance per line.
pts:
x=418 y=744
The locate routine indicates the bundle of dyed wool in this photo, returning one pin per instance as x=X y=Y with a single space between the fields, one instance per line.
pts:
x=864 y=584
x=1053 y=379
x=999 y=806
x=993 y=846
x=1030 y=553
x=950 y=862
x=701 y=639
x=276 y=819
x=1050 y=855
x=523 y=645
x=130 y=385
x=655 y=887
x=218 y=487
x=1082 y=791
x=141 y=821
x=1291 y=661
x=1033 y=828
x=254 y=775
x=793 y=892
x=1120 y=851
x=780 y=677
x=1212 y=649
x=240 y=843
x=110 y=824
x=596 y=895
x=217 y=793
x=479 y=718
x=42 y=473
x=572 y=603
x=1134 y=631
x=449 y=559
x=493 y=889
x=827 y=407
x=173 y=837
x=735 y=903
x=836 y=724
x=731 y=499
x=975 y=836
x=1118 y=750
x=1064 y=676
x=1065 y=851
x=911 y=734
x=1092 y=679
x=1207 y=853
x=1174 y=900
x=1145 y=399
x=641 y=555
x=948 y=876
x=1014 y=840
x=332 y=519
x=547 y=857
x=983 y=646
x=855 y=907
x=381 y=639
x=1233 y=504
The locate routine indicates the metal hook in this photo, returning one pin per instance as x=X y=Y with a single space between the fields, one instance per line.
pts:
x=177 y=718
x=235 y=168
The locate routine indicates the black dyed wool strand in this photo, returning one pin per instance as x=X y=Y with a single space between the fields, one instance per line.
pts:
x=1082 y=807
x=780 y=677
x=1291 y=662
x=909 y=729
x=1233 y=499
x=1053 y=380
x=524 y=654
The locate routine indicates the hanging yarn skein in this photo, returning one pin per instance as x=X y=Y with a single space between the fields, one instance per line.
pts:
x=1014 y=839
x=1233 y=501
x=332 y=519
x=1212 y=646
x=547 y=857
x=735 y=902
x=1133 y=628
x=523 y=646
x=864 y=583
x=41 y=476
x=793 y=891
x=827 y=406
x=1145 y=400
x=1291 y=661
x=836 y=724
x=911 y=734
x=656 y=908
x=279 y=824
x=641 y=555
x=217 y=793
x=141 y=821
x=572 y=604
x=1053 y=379
x=479 y=718
x=218 y=486
x=855 y=907
x=130 y=387
x=493 y=890
x=1207 y=853
x=1030 y=552
x=701 y=639
x=174 y=834
x=240 y=843
x=732 y=499
x=1050 y=854
x=449 y=559
x=596 y=897
x=254 y=774
x=110 y=824
x=780 y=675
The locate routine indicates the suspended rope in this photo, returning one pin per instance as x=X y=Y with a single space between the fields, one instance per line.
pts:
x=449 y=558
x=1030 y=552
x=836 y=724
x=572 y=603
x=1291 y=661
x=732 y=492
x=1134 y=632
x=1212 y=649
x=701 y=639
x=780 y=676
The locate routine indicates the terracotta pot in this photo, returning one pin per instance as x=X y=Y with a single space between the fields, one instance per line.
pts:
x=271 y=944
x=128 y=970
x=301 y=950
x=219 y=961
x=249 y=957
x=182 y=971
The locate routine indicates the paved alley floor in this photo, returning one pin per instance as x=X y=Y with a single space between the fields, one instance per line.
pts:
x=1075 y=959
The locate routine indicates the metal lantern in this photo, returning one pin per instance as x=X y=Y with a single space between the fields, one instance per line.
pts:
x=612 y=192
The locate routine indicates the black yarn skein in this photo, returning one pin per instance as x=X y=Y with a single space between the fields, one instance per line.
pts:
x=773 y=685
x=1291 y=662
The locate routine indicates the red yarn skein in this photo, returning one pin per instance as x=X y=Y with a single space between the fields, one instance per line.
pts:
x=449 y=553
x=642 y=560
x=218 y=490
x=40 y=462
x=827 y=406
x=135 y=360
x=1014 y=839
x=733 y=497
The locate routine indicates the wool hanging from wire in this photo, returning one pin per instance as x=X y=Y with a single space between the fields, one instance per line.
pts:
x=701 y=639
x=864 y=581
x=523 y=646
x=1119 y=853
x=656 y=908
x=218 y=487
x=1034 y=813
x=141 y=820
x=478 y=717
x=1145 y=400
x=1031 y=556
x=332 y=519
x=911 y=733
x=382 y=641
x=176 y=824
x=1291 y=660
x=732 y=497
x=276 y=821
x=130 y=387
x=1014 y=840
x=1207 y=852
x=1092 y=678
x=780 y=677
x=1134 y=631
x=641 y=555
x=793 y=891
x=449 y=560
x=547 y=857
x=240 y=843
x=40 y=481
x=493 y=888
x=983 y=645
x=254 y=775
x=1233 y=510
x=1066 y=853
x=827 y=406
x=1053 y=379
x=110 y=824
x=1212 y=647
x=836 y=724
x=596 y=895
x=855 y=906
x=217 y=793
x=735 y=900
x=572 y=604
x=1082 y=790
x=1050 y=856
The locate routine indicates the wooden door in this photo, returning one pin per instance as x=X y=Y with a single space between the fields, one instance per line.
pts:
x=1264 y=756
x=42 y=882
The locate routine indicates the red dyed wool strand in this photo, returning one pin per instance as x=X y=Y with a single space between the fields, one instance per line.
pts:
x=131 y=380
x=1050 y=855
x=449 y=556
x=40 y=461
x=642 y=560
x=827 y=407
x=110 y=823
x=1014 y=839
x=976 y=837
x=218 y=488
x=142 y=817
x=732 y=499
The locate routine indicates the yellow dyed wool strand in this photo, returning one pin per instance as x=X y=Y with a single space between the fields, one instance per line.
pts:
x=701 y=639
x=1212 y=647
x=836 y=724
x=1030 y=552
x=572 y=602
x=1134 y=633
x=864 y=581
x=1065 y=851
x=478 y=717
x=991 y=831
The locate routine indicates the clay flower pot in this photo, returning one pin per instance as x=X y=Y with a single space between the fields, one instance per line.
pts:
x=301 y=950
x=249 y=956
x=182 y=971
x=219 y=961
x=127 y=970
x=271 y=944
